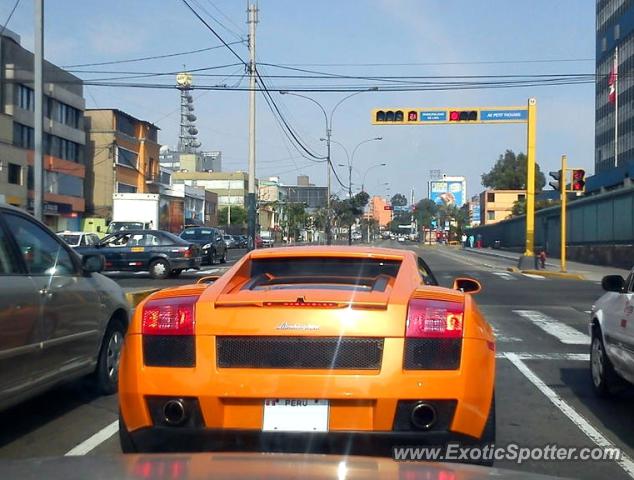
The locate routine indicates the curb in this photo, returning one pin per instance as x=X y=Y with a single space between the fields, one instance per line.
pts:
x=499 y=255
x=546 y=273
x=137 y=296
x=513 y=269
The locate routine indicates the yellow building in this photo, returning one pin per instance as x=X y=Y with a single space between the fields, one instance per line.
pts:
x=122 y=157
x=497 y=205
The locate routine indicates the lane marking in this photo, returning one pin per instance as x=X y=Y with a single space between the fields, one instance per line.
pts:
x=625 y=462
x=93 y=442
x=564 y=333
x=579 y=357
x=532 y=275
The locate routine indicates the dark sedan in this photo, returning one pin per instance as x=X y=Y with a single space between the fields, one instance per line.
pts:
x=210 y=241
x=160 y=253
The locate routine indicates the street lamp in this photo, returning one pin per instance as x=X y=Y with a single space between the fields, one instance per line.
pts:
x=328 y=120
x=371 y=168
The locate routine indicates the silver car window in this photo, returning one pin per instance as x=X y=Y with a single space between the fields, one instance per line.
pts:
x=43 y=254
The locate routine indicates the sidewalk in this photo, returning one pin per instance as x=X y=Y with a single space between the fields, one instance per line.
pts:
x=587 y=271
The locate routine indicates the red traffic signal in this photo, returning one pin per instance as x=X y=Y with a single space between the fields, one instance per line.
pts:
x=412 y=116
x=578 y=180
x=463 y=115
x=388 y=207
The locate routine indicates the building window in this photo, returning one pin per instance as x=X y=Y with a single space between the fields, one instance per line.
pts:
x=490 y=215
x=15 y=174
x=490 y=197
x=604 y=44
x=23 y=136
x=26 y=98
x=62 y=184
x=125 y=125
x=65 y=114
x=127 y=158
x=521 y=197
x=125 y=188
x=617 y=31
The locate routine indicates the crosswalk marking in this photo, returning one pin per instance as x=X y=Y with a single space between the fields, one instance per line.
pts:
x=500 y=337
x=504 y=275
x=564 y=333
x=580 y=357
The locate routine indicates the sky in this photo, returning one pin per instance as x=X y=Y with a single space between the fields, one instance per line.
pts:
x=435 y=37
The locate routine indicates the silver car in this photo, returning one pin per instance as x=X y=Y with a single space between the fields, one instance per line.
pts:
x=59 y=318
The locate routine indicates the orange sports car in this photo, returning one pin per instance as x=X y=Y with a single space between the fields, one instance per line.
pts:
x=338 y=349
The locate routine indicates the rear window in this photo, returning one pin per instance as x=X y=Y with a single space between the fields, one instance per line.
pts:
x=197 y=233
x=70 y=239
x=366 y=274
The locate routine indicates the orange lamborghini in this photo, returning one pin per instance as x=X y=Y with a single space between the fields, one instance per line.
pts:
x=339 y=349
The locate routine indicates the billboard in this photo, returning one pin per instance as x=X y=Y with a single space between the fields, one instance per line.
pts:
x=448 y=191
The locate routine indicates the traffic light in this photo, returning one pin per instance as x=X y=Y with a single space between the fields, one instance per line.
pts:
x=390 y=116
x=412 y=116
x=388 y=207
x=463 y=115
x=558 y=180
x=578 y=180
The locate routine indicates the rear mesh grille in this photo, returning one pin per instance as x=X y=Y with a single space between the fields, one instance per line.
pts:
x=169 y=351
x=432 y=353
x=299 y=352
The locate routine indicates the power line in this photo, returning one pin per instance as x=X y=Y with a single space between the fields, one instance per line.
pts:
x=221 y=13
x=204 y=10
x=210 y=28
x=422 y=64
x=142 y=59
x=4 y=26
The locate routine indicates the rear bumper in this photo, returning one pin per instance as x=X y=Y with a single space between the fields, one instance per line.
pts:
x=185 y=263
x=175 y=439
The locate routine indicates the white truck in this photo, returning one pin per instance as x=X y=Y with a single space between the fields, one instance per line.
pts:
x=134 y=211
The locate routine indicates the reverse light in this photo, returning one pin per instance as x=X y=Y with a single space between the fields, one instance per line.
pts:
x=434 y=319
x=169 y=316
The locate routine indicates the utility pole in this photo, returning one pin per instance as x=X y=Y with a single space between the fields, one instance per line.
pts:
x=229 y=206
x=328 y=167
x=38 y=170
x=350 y=200
x=252 y=19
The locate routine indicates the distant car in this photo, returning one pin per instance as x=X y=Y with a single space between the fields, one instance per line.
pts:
x=267 y=239
x=240 y=240
x=79 y=239
x=161 y=253
x=59 y=318
x=259 y=243
x=118 y=226
x=210 y=241
x=612 y=335
x=229 y=241
x=401 y=239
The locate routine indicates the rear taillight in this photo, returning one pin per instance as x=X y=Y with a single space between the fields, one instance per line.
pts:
x=169 y=316
x=188 y=252
x=434 y=319
x=433 y=335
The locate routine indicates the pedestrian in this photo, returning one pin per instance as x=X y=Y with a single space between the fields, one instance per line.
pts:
x=542 y=259
x=471 y=241
x=464 y=240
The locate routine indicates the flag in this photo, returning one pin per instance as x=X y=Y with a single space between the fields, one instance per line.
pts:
x=612 y=81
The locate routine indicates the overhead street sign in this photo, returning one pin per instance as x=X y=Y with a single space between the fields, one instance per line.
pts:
x=448 y=115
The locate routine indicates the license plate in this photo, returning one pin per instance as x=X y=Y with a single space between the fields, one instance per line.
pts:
x=295 y=415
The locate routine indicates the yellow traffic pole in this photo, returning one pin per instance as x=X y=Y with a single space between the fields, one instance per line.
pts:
x=530 y=177
x=563 y=191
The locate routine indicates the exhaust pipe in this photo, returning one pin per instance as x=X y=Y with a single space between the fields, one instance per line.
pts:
x=423 y=416
x=174 y=412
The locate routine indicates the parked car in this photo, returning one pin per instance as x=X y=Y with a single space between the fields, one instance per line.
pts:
x=612 y=335
x=210 y=241
x=267 y=239
x=59 y=318
x=259 y=243
x=79 y=239
x=161 y=253
x=229 y=241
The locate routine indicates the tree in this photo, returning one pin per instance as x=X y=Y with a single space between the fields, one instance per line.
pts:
x=296 y=219
x=509 y=173
x=399 y=200
x=238 y=215
x=425 y=211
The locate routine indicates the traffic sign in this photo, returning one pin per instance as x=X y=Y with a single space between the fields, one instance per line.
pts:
x=504 y=115
x=433 y=115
